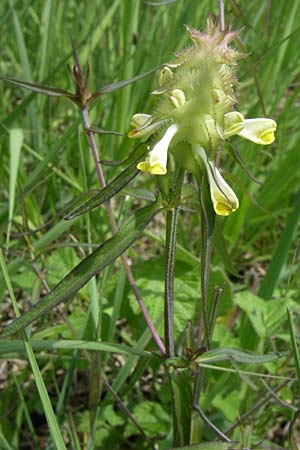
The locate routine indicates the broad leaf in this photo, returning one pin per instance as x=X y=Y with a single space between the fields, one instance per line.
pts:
x=114 y=186
x=104 y=255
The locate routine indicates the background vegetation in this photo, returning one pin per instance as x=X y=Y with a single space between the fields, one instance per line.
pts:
x=45 y=162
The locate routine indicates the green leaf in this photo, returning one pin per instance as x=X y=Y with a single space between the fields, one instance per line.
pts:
x=232 y=354
x=281 y=252
x=114 y=186
x=16 y=137
x=39 y=88
x=104 y=255
x=17 y=346
x=208 y=446
x=294 y=344
x=120 y=84
x=98 y=130
x=55 y=431
x=152 y=291
x=151 y=417
x=182 y=401
x=264 y=316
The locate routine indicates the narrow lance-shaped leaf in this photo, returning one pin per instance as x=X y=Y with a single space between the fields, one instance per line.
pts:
x=120 y=84
x=17 y=346
x=98 y=130
x=231 y=354
x=209 y=446
x=114 y=186
x=39 y=88
x=104 y=255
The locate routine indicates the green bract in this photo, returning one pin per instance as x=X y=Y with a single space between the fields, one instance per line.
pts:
x=195 y=105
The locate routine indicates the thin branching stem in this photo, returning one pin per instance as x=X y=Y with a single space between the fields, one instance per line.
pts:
x=129 y=414
x=263 y=400
x=211 y=425
x=113 y=225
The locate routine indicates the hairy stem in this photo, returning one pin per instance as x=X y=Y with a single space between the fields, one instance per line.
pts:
x=171 y=232
x=113 y=225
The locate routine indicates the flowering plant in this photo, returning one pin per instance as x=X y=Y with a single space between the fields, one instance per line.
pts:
x=195 y=105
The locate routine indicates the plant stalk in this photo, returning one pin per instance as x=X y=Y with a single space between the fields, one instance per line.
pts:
x=131 y=280
x=171 y=232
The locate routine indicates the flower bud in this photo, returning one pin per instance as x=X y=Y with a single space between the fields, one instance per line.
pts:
x=140 y=120
x=165 y=76
x=233 y=123
x=177 y=98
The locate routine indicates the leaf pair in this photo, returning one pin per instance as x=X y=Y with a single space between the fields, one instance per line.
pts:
x=104 y=255
x=74 y=97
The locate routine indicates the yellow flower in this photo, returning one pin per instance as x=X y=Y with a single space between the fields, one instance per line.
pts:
x=156 y=162
x=261 y=130
x=222 y=196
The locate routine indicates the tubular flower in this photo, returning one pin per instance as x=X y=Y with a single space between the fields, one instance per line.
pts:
x=261 y=131
x=195 y=108
x=156 y=162
x=222 y=196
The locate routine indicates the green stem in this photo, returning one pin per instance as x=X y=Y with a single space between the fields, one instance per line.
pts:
x=171 y=232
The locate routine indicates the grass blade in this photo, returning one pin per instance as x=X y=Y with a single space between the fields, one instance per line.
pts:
x=45 y=400
x=16 y=346
x=16 y=137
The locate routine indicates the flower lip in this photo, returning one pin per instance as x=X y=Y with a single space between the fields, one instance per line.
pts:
x=261 y=130
x=156 y=162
